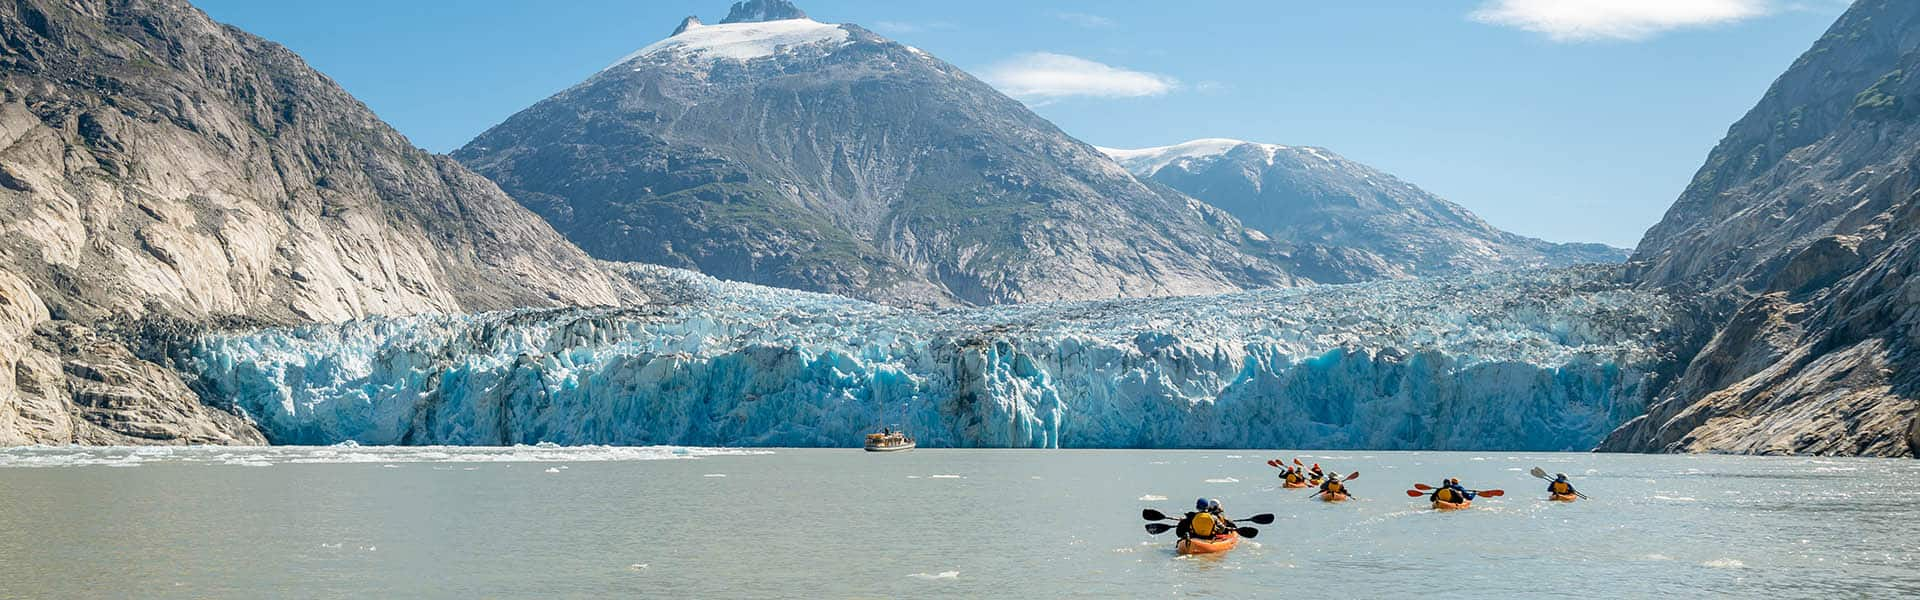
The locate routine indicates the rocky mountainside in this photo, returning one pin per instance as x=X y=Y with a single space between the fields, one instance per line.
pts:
x=1802 y=231
x=775 y=149
x=1346 y=221
x=159 y=171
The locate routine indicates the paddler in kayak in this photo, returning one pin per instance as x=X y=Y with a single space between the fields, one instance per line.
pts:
x=1560 y=489
x=1333 y=490
x=1293 y=478
x=1451 y=492
x=1205 y=522
x=1315 y=476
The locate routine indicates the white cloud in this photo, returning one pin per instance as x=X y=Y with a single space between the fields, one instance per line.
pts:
x=1046 y=75
x=1586 y=20
x=1086 y=20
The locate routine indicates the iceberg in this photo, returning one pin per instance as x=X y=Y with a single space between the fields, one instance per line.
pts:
x=1535 y=360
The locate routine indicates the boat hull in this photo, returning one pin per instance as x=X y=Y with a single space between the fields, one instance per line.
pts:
x=896 y=448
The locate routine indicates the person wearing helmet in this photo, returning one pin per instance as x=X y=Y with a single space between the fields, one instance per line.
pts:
x=1450 y=491
x=1560 y=486
x=1315 y=476
x=1333 y=486
x=1293 y=476
x=1185 y=529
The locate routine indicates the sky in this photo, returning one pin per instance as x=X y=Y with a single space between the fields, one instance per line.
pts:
x=1568 y=120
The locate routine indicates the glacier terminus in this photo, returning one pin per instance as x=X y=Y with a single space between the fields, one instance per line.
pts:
x=1532 y=360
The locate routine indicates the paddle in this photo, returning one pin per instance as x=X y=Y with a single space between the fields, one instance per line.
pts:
x=1154 y=515
x=1425 y=487
x=1542 y=473
x=1245 y=532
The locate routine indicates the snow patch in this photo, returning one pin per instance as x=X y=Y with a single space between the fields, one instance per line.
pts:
x=741 y=41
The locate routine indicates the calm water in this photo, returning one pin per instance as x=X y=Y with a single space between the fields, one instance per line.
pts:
x=983 y=523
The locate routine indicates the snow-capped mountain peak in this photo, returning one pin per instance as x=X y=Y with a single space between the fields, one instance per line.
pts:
x=1147 y=161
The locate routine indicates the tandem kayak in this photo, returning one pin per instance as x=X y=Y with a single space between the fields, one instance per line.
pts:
x=1438 y=505
x=1294 y=486
x=1333 y=497
x=1562 y=497
x=1213 y=546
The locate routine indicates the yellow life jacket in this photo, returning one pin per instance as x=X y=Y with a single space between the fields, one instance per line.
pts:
x=1335 y=487
x=1446 y=495
x=1295 y=478
x=1203 y=524
x=1560 y=487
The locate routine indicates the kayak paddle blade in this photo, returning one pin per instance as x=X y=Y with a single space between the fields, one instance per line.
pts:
x=1539 y=472
x=1158 y=528
x=1355 y=475
x=1248 y=532
x=1152 y=515
x=1414 y=494
x=1262 y=518
x=1423 y=487
x=1493 y=493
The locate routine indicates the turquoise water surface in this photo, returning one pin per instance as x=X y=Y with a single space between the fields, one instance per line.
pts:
x=531 y=522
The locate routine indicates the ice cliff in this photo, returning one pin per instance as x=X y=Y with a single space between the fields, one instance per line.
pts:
x=1533 y=360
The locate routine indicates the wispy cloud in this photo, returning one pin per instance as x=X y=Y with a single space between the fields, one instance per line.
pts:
x=1085 y=20
x=1045 y=76
x=1589 y=20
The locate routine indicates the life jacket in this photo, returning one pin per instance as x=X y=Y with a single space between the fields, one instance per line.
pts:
x=1203 y=525
x=1294 y=477
x=1446 y=495
x=1560 y=487
x=1335 y=487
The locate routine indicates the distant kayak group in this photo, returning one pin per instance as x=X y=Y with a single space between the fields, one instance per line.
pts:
x=1207 y=530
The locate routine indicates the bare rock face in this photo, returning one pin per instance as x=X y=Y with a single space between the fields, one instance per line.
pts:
x=1807 y=218
x=156 y=164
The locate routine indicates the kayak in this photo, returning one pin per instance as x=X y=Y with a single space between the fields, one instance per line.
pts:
x=1213 y=546
x=1438 y=505
x=1294 y=486
x=1333 y=497
x=1562 y=497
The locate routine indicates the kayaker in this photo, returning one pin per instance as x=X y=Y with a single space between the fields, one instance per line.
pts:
x=1184 y=530
x=1315 y=474
x=1560 y=487
x=1293 y=476
x=1450 y=491
x=1334 y=487
x=1220 y=517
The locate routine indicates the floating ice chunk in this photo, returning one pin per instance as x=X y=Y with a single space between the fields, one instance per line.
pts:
x=1152 y=498
x=1725 y=563
x=715 y=475
x=552 y=470
x=1223 y=480
x=940 y=575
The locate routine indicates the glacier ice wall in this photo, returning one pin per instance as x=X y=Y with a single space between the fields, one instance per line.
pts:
x=1535 y=360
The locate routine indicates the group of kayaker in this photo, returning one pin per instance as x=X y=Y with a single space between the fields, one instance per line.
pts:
x=1207 y=529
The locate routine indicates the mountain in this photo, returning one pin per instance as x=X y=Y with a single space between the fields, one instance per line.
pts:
x=1349 y=222
x=1802 y=234
x=775 y=149
x=161 y=173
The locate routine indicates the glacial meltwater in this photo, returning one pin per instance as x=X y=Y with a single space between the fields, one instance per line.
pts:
x=551 y=522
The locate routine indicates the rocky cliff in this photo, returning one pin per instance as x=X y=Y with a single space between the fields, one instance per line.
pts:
x=1347 y=222
x=159 y=171
x=775 y=149
x=1802 y=233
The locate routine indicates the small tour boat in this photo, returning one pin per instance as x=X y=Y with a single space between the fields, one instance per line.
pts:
x=889 y=441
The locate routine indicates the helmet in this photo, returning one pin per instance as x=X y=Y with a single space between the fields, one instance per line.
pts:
x=1562 y=477
x=1453 y=481
x=1213 y=505
x=1200 y=504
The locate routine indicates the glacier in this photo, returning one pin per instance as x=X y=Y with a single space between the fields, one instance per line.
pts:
x=1535 y=360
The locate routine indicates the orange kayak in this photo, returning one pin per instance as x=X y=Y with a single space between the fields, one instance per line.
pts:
x=1333 y=497
x=1438 y=505
x=1293 y=486
x=1562 y=497
x=1213 y=546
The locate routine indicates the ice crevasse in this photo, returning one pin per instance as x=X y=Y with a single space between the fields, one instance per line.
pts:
x=1540 y=360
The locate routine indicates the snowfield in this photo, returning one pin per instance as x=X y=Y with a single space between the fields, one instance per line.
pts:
x=1544 y=360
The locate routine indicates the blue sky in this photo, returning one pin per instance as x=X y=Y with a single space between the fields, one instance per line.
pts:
x=1570 y=120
